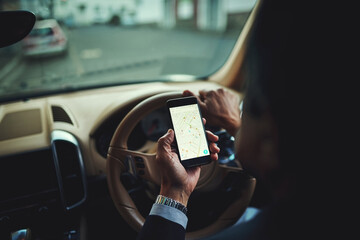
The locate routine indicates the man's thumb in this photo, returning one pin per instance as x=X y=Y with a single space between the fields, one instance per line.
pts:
x=170 y=135
x=167 y=139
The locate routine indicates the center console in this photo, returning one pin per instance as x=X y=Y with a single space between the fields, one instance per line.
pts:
x=41 y=190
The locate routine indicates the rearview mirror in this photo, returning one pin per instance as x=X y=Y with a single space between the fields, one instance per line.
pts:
x=14 y=26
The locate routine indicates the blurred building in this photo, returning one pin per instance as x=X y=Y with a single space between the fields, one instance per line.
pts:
x=88 y=12
x=207 y=15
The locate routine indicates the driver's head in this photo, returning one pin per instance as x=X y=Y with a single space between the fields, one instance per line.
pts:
x=273 y=143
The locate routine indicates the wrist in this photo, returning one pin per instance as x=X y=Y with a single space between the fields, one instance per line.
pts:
x=232 y=125
x=176 y=195
x=163 y=200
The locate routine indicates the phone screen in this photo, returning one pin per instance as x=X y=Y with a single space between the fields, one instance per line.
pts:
x=189 y=132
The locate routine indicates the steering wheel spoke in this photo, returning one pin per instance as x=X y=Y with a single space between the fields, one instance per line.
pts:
x=137 y=163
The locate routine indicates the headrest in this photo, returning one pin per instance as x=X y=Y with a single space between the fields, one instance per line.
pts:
x=14 y=26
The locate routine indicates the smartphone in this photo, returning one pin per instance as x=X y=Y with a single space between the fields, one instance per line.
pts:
x=190 y=137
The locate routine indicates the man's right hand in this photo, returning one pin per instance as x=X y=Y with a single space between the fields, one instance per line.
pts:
x=176 y=181
x=220 y=108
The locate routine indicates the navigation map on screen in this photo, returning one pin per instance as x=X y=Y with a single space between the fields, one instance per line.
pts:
x=190 y=136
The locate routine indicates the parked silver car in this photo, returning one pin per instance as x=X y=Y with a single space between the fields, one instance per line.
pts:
x=46 y=38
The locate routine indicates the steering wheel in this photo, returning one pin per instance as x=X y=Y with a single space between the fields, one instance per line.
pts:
x=144 y=166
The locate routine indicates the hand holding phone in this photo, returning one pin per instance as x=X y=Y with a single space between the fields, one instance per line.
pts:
x=190 y=137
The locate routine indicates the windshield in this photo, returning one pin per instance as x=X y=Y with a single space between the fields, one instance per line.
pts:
x=78 y=44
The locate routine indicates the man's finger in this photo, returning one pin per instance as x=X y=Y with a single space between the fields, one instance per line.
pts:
x=204 y=121
x=202 y=94
x=214 y=148
x=214 y=156
x=211 y=137
x=188 y=93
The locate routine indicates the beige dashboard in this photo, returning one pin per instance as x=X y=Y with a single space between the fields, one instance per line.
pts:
x=26 y=126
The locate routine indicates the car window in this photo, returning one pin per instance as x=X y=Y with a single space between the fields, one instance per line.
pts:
x=41 y=32
x=98 y=43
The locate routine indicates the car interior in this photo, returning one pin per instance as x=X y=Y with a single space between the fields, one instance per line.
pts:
x=77 y=161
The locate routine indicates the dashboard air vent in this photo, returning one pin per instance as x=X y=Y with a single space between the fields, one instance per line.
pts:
x=69 y=168
x=60 y=115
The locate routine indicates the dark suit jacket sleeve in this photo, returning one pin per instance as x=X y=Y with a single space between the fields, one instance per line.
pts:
x=157 y=227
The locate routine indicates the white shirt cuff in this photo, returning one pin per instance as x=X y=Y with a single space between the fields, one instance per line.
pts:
x=169 y=213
